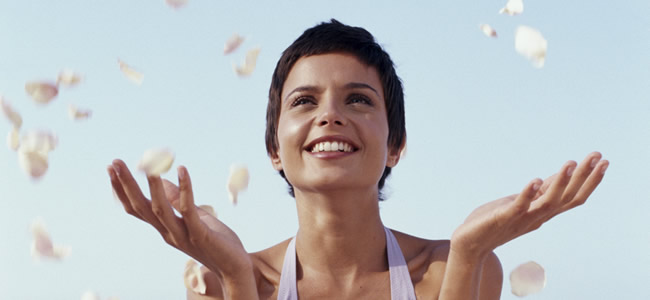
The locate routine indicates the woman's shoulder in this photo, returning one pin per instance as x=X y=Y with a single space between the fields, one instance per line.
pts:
x=267 y=266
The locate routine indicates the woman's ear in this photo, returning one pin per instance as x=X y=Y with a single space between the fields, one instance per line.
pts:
x=394 y=154
x=276 y=162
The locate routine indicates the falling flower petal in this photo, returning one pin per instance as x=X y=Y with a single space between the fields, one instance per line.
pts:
x=527 y=278
x=78 y=114
x=176 y=4
x=156 y=161
x=232 y=44
x=89 y=295
x=531 y=44
x=237 y=182
x=13 y=140
x=68 y=78
x=42 y=92
x=38 y=141
x=193 y=278
x=11 y=114
x=131 y=74
x=208 y=209
x=513 y=7
x=488 y=30
x=42 y=246
x=249 y=65
x=35 y=164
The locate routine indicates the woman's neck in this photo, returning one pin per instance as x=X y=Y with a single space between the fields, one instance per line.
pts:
x=341 y=234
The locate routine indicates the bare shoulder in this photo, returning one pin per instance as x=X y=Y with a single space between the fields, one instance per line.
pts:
x=427 y=260
x=267 y=266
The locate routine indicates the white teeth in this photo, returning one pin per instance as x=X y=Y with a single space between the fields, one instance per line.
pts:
x=332 y=147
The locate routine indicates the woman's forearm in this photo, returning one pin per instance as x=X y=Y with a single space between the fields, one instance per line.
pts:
x=462 y=277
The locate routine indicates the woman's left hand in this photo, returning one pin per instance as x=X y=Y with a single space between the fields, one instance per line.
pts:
x=500 y=221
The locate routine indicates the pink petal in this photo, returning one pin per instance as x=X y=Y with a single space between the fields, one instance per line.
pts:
x=193 y=278
x=131 y=74
x=249 y=65
x=237 y=182
x=68 y=78
x=13 y=140
x=42 y=92
x=176 y=4
x=42 y=246
x=513 y=7
x=527 y=278
x=530 y=43
x=11 y=114
x=78 y=114
x=488 y=30
x=34 y=164
x=232 y=44
x=156 y=161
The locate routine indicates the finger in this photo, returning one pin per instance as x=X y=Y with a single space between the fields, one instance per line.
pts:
x=121 y=195
x=173 y=194
x=550 y=200
x=196 y=229
x=164 y=211
x=589 y=186
x=140 y=204
x=582 y=172
x=524 y=199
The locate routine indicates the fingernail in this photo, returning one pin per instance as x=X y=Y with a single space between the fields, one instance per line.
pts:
x=117 y=169
x=604 y=168
x=110 y=171
x=594 y=161
x=536 y=187
x=181 y=174
x=570 y=170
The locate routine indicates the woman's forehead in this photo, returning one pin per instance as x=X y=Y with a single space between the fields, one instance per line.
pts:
x=340 y=69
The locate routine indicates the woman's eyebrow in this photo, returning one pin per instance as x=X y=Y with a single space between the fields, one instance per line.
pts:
x=360 y=85
x=304 y=88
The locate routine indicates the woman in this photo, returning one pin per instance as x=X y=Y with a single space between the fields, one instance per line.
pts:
x=335 y=128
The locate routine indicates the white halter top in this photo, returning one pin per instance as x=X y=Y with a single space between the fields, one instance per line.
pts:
x=401 y=286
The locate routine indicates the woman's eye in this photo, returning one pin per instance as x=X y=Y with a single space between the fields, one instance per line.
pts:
x=359 y=99
x=301 y=101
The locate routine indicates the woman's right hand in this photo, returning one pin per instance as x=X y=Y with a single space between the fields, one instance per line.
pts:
x=196 y=232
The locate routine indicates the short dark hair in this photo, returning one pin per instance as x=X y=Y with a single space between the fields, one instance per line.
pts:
x=336 y=37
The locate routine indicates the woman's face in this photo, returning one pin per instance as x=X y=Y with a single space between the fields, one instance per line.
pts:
x=332 y=130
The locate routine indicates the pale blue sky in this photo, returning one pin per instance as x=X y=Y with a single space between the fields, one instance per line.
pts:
x=481 y=123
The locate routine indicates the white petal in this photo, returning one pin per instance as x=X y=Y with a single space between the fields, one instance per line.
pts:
x=208 y=209
x=42 y=92
x=156 y=161
x=69 y=78
x=527 y=278
x=13 y=141
x=176 y=4
x=11 y=114
x=488 y=30
x=131 y=74
x=193 y=278
x=232 y=44
x=513 y=7
x=78 y=114
x=38 y=141
x=237 y=182
x=42 y=246
x=89 y=295
x=249 y=65
x=34 y=163
x=530 y=43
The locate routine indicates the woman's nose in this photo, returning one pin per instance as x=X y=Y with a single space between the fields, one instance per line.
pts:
x=331 y=114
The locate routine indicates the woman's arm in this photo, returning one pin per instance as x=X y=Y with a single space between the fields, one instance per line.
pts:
x=469 y=264
x=195 y=233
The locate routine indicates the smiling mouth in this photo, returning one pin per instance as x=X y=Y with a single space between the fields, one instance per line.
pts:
x=336 y=146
